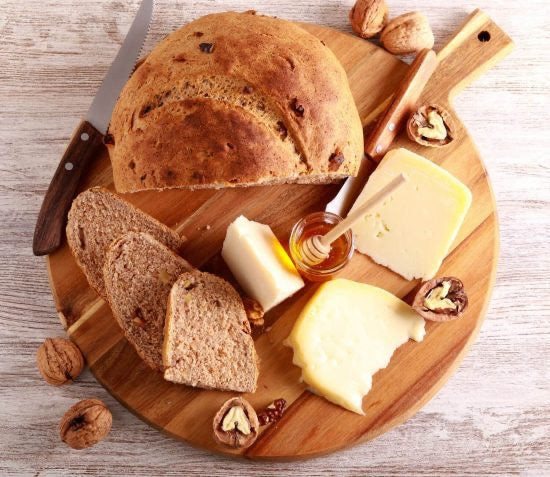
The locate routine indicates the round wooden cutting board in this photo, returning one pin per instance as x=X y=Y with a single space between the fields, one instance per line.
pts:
x=311 y=425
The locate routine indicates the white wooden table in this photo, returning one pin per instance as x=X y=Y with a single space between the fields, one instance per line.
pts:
x=493 y=416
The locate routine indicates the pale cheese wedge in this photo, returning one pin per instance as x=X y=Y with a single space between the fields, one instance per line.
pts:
x=345 y=334
x=411 y=231
x=260 y=263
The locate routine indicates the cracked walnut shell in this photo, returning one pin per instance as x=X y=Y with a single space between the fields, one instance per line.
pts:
x=368 y=17
x=441 y=299
x=59 y=360
x=431 y=125
x=85 y=424
x=236 y=424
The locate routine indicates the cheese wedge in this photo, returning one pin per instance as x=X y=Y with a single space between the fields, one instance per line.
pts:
x=412 y=230
x=260 y=263
x=347 y=332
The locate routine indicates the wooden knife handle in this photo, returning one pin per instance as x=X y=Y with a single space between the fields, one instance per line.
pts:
x=53 y=213
x=402 y=104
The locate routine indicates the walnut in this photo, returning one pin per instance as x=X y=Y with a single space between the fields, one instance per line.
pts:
x=236 y=424
x=368 y=17
x=85 y=424
x=431 y=125
x=273 y=412
x=59 y=360
x=408 y=33
x=441 y=299
x=254 y=311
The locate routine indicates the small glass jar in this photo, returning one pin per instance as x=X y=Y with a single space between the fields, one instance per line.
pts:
x=319 y=223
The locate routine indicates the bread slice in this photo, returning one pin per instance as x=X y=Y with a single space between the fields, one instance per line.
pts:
x=138 y=273
x=207 y=341
x=97 y=217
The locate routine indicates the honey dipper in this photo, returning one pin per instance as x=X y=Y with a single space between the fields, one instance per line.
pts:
x=316 y=249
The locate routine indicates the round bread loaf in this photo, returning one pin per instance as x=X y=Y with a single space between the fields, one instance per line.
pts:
x=235 y=99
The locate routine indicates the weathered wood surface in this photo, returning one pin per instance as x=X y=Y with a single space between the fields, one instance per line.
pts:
x=491 y=418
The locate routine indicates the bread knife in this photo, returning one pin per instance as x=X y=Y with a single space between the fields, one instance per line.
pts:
x=389 y=125
x=88 y=137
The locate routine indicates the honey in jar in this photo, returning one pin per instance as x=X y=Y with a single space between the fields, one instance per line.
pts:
x=341 y=250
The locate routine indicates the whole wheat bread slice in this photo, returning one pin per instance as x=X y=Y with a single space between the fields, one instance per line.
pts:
x=207 y=341
x=97 y=217
x=138 y=273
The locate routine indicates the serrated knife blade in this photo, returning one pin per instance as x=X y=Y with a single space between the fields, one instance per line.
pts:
x=87 y=139
x=104 y=101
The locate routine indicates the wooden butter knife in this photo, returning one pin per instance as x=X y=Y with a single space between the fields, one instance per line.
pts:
x=388 y=126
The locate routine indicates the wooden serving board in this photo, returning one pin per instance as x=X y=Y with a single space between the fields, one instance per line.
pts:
x=311 y=425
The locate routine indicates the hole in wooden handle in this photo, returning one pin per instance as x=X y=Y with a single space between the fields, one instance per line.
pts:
x=484 y=36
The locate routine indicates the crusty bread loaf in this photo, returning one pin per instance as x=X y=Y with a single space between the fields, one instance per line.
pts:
x=139 y=272
x=97 y=217
x=207 y=341
x=235 y=99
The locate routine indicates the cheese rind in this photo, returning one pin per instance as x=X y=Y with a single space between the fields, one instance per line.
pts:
x=260 y=263
x=347 y=332
x=412 y=230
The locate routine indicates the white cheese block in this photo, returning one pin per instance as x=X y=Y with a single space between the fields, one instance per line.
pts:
x=347 y=332
x=260 y=263
x=411 y=231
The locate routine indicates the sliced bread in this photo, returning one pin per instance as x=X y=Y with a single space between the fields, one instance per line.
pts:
x=139 y=272
x=207 y=341
x=97 y=217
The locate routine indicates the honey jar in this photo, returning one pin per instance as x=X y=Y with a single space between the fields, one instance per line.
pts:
x=341 y=251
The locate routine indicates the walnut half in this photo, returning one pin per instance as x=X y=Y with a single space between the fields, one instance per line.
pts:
x=236 y=424
x=441 y=299
x=431 y=126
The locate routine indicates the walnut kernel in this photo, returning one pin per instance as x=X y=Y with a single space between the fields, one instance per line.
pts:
x=236 y=424
x=441 y=299
x=431 y=125
x=254 y=311
x=273 y=412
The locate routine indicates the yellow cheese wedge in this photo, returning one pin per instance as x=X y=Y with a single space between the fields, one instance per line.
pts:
x=411 y=231
x=347 y=332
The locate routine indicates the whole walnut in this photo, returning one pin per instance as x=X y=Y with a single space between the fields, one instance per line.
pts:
x=368 y=17
x=85 y=424
x=59 y=360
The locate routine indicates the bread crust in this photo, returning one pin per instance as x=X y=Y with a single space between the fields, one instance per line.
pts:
x=139 y=272
x=207 y=336
x=97 y=218
x=270 y=103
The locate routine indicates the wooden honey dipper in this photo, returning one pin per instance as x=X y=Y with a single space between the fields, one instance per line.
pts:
x=316 y=249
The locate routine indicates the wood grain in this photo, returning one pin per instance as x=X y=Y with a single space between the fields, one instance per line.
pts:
x=492 y=417
x=401 y=106
x=312 y=426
